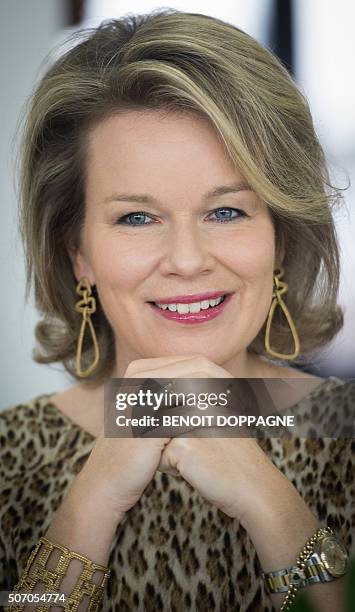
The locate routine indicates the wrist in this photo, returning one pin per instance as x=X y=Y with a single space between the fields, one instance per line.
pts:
x=94 y=496
x=91 y=497
x=279 y=527
x=85 y=523
x=276 y=507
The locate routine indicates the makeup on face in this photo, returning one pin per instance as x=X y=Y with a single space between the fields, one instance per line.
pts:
x=188 y=310
x=180 y=247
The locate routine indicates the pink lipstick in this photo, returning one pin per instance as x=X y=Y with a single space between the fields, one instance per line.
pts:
x=187 y=299
x=192 y=317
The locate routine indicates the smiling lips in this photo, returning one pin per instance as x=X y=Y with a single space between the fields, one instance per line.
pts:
x=187 y=299
x=189 y=311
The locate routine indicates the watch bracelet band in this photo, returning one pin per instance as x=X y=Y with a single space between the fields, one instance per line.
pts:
x=301 y=575
x=305 y=553
x=279 y=581
x=36 y=571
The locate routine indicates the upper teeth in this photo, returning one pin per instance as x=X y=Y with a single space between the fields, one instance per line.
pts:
x=193 y=307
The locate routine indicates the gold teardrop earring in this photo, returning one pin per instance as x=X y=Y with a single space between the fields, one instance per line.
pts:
x=86 y=306
x=280 y=288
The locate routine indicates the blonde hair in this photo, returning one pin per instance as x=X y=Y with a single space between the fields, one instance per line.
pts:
x=189 y=62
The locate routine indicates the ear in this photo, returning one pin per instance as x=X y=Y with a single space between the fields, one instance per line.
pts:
x=81 y=266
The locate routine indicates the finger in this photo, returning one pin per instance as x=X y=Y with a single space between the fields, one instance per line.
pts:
x=165 y=465
x=157 y=362
x=182 y=369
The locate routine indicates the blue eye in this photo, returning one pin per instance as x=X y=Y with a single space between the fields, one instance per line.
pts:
x=137 y=218
x=226 y=216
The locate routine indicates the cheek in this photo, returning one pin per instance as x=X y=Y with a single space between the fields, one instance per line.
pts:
x=251 y=255
x=117 y=264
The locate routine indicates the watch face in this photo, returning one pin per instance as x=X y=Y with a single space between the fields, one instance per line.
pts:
x=334 y=556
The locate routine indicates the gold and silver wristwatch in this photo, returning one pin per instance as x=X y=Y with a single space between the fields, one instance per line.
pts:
x=329 y=560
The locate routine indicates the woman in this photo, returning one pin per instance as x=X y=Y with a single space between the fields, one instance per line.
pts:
x=186 y=125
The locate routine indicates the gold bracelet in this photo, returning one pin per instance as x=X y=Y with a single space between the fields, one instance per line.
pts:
x=305 y=553
x=36 y=571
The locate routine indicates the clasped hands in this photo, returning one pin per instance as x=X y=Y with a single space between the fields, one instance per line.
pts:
x=233 y=474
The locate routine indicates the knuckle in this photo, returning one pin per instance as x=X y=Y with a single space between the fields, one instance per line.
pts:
x=202 y=362
x=133 y=366
x=179 y=444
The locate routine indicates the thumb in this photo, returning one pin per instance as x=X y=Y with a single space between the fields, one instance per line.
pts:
x=166 y=464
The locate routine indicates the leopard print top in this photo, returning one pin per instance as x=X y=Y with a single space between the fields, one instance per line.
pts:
x=173 y=551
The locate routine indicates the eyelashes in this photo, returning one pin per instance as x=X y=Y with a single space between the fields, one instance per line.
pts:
x=138 y=215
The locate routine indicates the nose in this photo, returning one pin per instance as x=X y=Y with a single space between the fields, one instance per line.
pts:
x=187 y=250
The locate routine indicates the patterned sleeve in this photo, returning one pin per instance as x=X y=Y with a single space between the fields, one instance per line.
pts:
x=8 y=564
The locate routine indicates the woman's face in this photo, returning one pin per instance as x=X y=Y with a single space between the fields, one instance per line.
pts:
x=168 y=215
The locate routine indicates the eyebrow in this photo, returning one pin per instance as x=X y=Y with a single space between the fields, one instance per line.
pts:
x=144 y=198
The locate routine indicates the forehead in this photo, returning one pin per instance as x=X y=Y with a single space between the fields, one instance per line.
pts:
x=145 y=146
x=152 y=127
